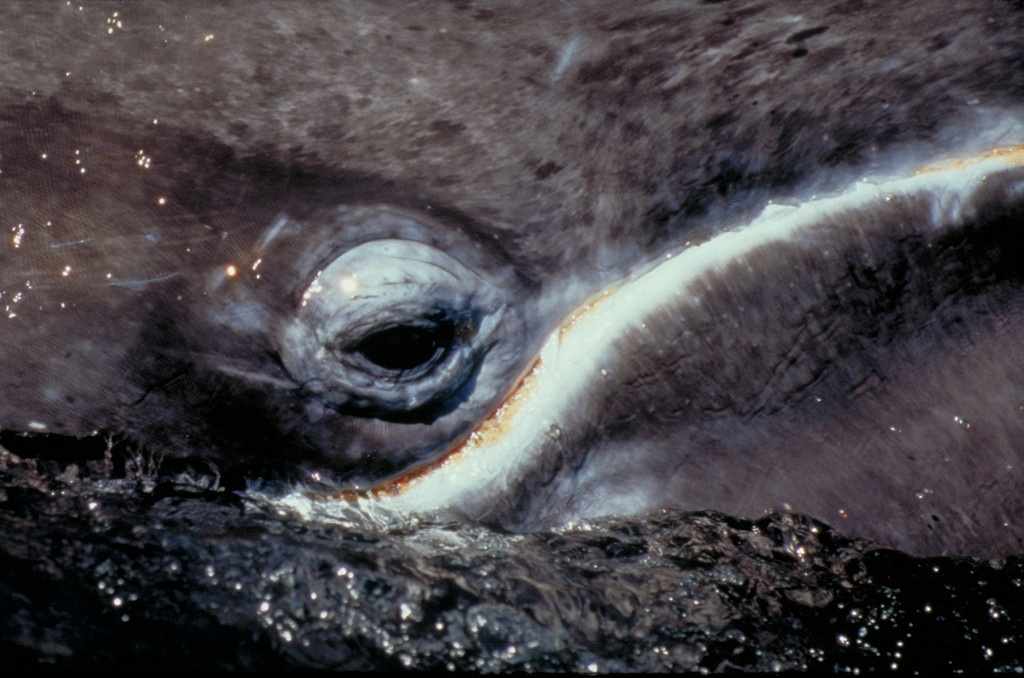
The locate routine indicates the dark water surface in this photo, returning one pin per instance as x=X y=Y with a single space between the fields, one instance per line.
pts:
x=107 y=566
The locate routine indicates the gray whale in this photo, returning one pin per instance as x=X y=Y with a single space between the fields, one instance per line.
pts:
x=177 y=178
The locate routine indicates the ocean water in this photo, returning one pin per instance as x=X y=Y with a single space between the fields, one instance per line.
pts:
x=106 y=565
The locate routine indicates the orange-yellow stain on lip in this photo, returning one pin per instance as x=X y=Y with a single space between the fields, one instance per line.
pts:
x=1012 y=154
x=582 y=312
x=490 y=430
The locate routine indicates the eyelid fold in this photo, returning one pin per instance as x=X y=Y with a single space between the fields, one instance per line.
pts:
x=374 y=287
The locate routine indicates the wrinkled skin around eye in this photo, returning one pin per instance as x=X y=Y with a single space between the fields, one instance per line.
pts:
x=394 y=329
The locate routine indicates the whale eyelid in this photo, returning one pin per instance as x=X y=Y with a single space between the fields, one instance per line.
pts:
x=382 y=331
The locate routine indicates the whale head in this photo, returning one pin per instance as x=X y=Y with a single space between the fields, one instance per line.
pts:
x=529 y=266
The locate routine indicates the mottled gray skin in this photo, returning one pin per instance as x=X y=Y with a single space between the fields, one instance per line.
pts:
x=557 y=147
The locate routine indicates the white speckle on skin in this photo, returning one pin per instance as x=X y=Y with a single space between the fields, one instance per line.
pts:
x=568 y=51
x=283 y=226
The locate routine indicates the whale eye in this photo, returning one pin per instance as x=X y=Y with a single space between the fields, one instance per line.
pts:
x=393 y=329
x=405 y=347
x=408 y=347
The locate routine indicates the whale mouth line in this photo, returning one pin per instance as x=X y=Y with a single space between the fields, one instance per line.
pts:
x=487 y=433
x=488 y=458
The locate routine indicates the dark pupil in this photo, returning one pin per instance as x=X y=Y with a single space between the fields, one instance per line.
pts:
x=406 y=347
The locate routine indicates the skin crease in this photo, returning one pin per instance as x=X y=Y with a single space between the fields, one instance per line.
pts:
x=554 y=149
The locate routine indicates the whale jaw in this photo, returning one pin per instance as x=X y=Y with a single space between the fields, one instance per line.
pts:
x=852 y=357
